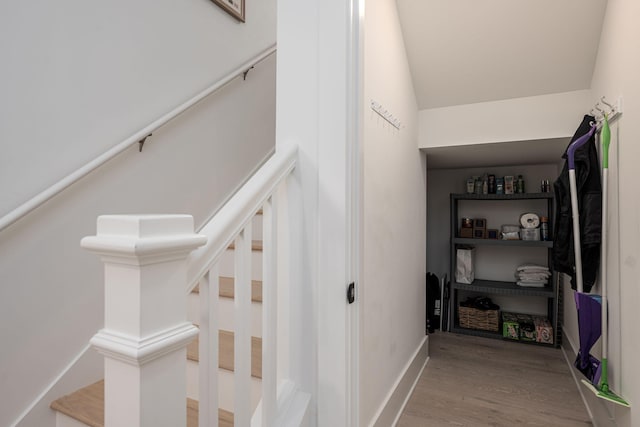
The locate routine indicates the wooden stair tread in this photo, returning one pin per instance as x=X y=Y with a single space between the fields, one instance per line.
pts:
x=225 y=352
x=87 y=406
x=256 y=245
x=225 y=418
x=226 y=288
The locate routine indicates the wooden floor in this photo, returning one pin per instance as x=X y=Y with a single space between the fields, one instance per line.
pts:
x=472 y=381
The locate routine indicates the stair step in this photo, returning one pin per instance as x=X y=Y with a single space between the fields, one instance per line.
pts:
x=226 y=265
x=225 y=353
x=226 y=288
x=87 y=406
x=225 y=418
x=226 y=314
x=256 y=245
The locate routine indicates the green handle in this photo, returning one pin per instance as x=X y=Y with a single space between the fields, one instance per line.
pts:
x=604 y=376
x=606 y=138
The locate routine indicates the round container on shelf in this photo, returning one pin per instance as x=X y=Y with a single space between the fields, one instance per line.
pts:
x=529 y=234
x=529 y=220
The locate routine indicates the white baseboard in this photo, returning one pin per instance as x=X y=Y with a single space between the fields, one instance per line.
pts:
x=567 y=341
x=389 y=412
x=293 y=407
x=86 y=368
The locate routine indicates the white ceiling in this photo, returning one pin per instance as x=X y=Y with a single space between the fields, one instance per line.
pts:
x=538 y=152
x=470 y=51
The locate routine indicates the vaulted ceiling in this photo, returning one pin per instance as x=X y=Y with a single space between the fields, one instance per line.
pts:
x=469 y=51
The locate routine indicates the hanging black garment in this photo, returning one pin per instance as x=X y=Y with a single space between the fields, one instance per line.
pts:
x=590 y=211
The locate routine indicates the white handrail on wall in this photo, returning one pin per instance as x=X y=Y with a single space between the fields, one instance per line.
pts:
x=73 y=177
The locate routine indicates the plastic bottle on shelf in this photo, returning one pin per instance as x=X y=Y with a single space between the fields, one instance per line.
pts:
x=520 y=185
x=499 y=185
x=470 y=185
x=478 y=186
x=544 y=228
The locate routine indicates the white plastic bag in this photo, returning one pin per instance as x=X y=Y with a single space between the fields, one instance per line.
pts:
x=465 y=260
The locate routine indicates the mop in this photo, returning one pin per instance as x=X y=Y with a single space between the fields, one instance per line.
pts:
x=588 y=306
x=602 y=389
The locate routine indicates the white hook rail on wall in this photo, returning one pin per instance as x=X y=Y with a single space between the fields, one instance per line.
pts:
x=602 y=107
x=378 y=108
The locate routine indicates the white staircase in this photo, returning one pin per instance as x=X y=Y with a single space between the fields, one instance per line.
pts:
x=85 y=407
x=185 y=326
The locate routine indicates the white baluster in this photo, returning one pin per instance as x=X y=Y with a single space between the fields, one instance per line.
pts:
x=146 y=329
x=242 y=321
x=208 y=350
x=269 y=312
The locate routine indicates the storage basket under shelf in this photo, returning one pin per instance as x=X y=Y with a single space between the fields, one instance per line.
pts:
x=473 y=318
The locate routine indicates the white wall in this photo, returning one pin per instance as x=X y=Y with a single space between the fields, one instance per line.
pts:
x=520 y=119
x=616 y=74
x=317 y=109
x=78 y=77
x=394 y=209
x=51 y=298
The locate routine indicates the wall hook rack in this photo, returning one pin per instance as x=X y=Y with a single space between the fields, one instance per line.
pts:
x=141 y=142
x=612 y=111
x=378 y=108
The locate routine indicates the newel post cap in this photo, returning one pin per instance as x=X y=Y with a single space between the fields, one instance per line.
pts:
x=143 y=239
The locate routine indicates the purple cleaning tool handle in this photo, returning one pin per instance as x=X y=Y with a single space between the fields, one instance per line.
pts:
x=577 y=144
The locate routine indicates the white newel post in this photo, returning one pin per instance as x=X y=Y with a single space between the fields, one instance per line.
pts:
x=146 y=329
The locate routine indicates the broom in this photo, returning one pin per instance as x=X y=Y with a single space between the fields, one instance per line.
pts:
x=602 y=390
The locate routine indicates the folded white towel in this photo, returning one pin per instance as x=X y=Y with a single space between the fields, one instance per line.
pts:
x=533 y=276
x=532 y=268
x=531 y=284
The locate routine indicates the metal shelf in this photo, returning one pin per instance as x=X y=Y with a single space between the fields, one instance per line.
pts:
x=550 y=292
x=519 y=196
x=504 y=288
x=457 y=329
x=498 y=242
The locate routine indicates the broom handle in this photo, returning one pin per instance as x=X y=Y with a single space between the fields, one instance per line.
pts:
x=576 y=228
x=603 y=266
x=571 y=151
x=605 y=135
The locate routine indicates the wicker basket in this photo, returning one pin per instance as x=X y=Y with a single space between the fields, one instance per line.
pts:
x=472 y=318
